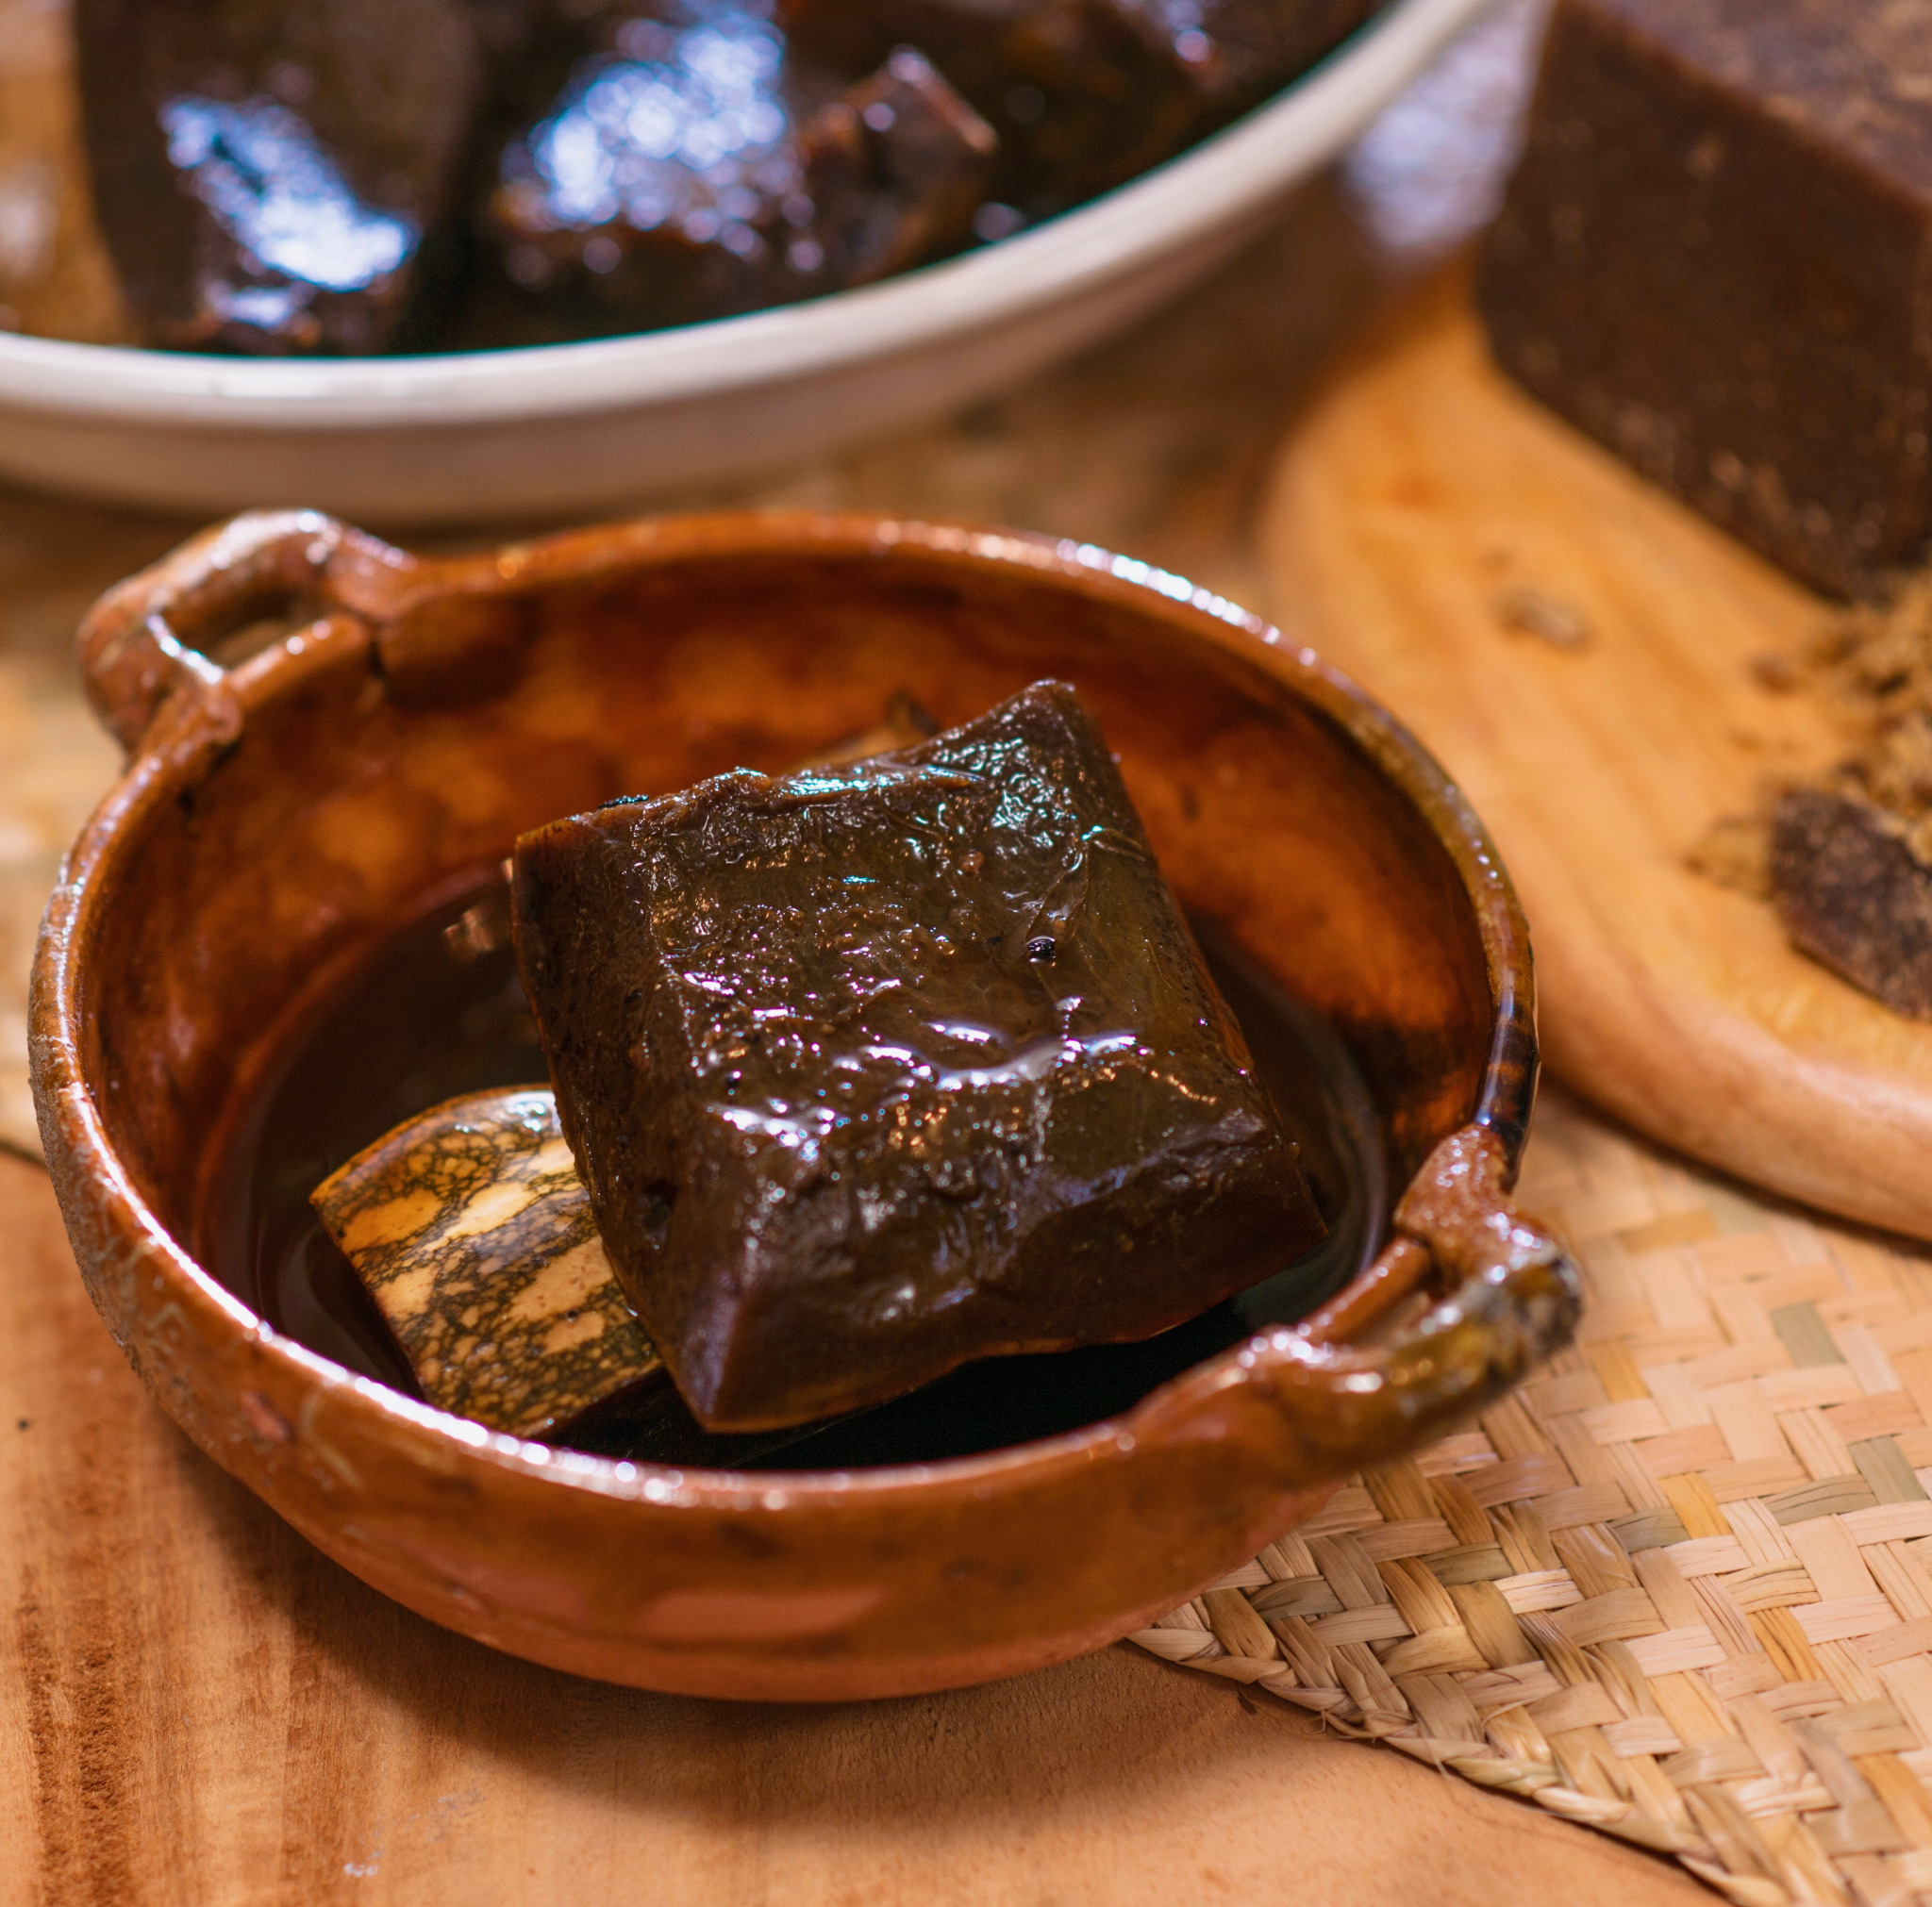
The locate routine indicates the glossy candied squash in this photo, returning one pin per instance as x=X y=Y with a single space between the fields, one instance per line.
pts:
x=871 y=1071
x=1078 y=99
x=471 y=1231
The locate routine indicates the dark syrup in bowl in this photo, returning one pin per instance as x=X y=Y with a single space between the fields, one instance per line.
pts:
x=437 y=1011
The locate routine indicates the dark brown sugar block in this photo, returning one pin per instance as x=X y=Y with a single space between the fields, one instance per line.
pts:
x=876 y=1069
x=1715 y=256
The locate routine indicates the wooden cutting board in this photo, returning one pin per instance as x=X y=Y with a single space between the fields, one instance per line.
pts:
x=1424 y=523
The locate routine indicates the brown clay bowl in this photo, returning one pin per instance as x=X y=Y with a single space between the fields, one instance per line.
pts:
x=280 y=816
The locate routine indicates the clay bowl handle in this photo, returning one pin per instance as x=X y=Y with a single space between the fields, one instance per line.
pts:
x=1511 y=1300
x=150 y=635
x=443 y=633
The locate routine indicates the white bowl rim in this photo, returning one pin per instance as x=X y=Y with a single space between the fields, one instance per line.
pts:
x=1233 y=175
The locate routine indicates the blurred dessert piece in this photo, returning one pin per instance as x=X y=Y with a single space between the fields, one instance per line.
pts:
x=1235 y=50
x=1715 y=254
x=56 y=278
x=1086 y=93
x=692 y=166
x=272 y=174
x=896 y=167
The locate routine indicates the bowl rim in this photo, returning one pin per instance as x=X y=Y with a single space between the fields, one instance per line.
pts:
x=81 y=1153
x=1122 y=233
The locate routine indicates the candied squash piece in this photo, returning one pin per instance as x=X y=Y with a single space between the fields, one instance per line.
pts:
x=471 y=1231
x=874 y=1070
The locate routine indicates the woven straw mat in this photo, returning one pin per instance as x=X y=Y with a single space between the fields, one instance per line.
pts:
x=1679 y=1587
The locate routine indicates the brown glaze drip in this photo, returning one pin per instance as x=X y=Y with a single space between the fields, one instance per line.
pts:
x=438 y=1012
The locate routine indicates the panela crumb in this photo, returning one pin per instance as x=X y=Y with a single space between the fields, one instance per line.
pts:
x=1525 y=611
x=1847 y=860
x=1872 y=664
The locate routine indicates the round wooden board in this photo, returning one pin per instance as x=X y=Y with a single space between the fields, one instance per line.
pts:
x=1421 y=505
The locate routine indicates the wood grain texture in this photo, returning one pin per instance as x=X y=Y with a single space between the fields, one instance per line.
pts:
x=196 y=1708
x=1423 y=515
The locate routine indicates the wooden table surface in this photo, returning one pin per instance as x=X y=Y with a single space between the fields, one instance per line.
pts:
x=197 y=1707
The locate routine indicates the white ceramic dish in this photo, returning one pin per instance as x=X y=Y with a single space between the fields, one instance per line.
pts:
x=578 y=427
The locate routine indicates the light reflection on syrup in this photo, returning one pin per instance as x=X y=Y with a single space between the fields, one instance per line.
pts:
x=260 y=169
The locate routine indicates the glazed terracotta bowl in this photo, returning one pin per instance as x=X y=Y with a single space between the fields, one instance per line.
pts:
x=279 y=817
